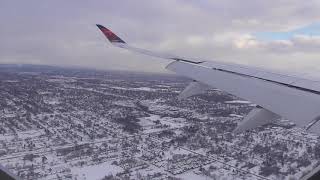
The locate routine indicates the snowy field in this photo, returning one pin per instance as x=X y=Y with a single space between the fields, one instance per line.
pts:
x=87 y=125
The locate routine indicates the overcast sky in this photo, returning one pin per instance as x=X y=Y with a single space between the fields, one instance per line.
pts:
x=278 y=34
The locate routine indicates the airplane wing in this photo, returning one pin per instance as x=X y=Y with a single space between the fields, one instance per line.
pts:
x=276 y=94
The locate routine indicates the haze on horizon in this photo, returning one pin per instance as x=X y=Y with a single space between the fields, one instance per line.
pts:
x=274 y=34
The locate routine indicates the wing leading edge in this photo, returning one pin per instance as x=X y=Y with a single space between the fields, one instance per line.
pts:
x=116 y=41
x=279 y=94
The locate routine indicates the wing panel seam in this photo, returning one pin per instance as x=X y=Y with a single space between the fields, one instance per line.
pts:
x=255 y=77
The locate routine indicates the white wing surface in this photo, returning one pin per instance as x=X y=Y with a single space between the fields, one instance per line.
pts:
x=280 y=94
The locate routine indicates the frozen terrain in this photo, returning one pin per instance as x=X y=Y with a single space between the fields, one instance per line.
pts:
x=59 y=123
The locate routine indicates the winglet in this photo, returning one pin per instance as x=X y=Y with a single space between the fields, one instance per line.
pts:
x=116 y=41
x=113 y=38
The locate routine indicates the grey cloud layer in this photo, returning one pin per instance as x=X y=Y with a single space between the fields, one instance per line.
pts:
x=63 y=32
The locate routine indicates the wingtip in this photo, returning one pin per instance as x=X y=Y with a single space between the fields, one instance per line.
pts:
x=113 y=38
x=100 y=26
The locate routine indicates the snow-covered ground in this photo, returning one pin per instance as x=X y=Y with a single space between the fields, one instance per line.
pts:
x=95 y=172
x=90 y=125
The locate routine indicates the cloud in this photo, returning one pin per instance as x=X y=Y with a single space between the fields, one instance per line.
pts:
x=297 y=44
x=64 y=33
x=245 y=41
